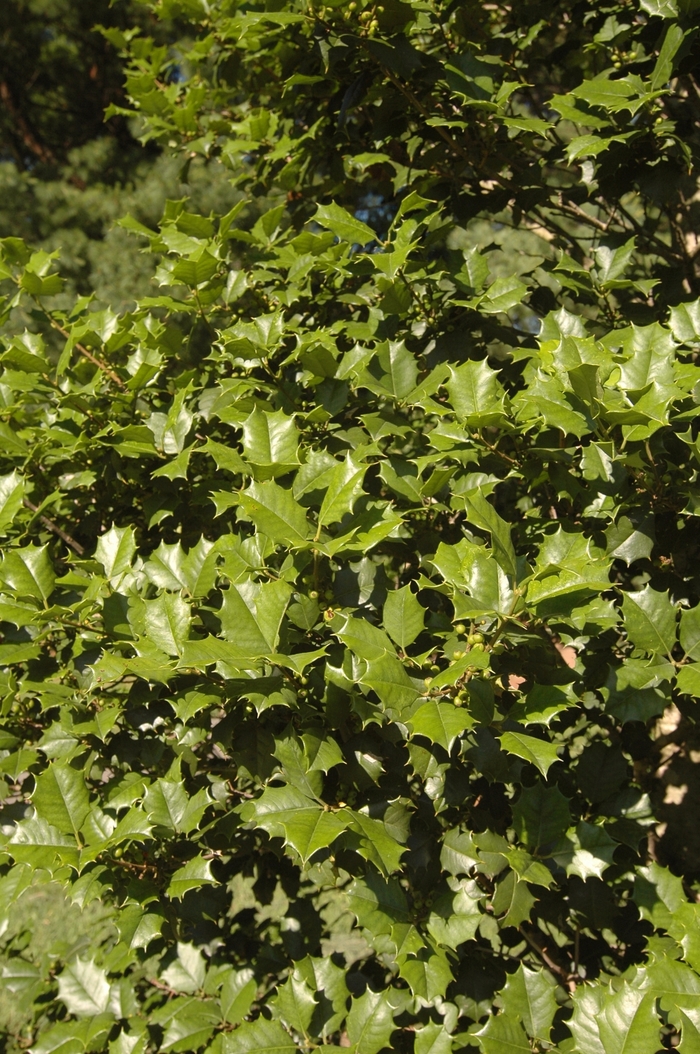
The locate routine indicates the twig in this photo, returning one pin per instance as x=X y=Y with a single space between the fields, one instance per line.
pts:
x=81 y=347
x=75 y=546
x=555 y=968
x=88 y=354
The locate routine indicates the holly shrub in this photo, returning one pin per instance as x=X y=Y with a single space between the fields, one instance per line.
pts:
x=350 y=582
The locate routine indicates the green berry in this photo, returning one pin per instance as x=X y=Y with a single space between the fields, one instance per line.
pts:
x=314 y=594
x=460 y=629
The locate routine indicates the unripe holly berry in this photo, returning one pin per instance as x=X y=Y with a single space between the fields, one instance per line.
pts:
x=434 y=668
x=457 y=654
x=427 y=681
x=314 y=594
x=118 y=853
x=478 y=646
x=475 y=638
x=460 y=629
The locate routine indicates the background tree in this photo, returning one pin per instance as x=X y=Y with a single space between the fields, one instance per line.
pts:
x=349 y=591
x=66 y=175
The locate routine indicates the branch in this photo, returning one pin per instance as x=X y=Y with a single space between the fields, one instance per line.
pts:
x=75 y=546
x=29 y=138
x=567 y=978
x=83 y=350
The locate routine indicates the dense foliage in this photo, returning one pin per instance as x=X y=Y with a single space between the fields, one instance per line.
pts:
x=350 y=583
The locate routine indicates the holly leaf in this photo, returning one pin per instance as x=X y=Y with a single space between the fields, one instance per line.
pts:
x=441 y=723
x=483 y=514
x=403 y=616
x=586 y=851
x=606 y=1021
x=503 y=1035
x=195 y=873
x=258 y=1037
x=370 y=1022
x=538 y=752
x=529 y=997
x=284 y=812
x=84 y=988
x=275 y=513
x=650 y=620
x=343 y=225
x=12 y=488
x=294 y=1003
x=237 y=994
x=115 y=550
x=345 y=482
x=29 y=572
x=61 y=797
x=377 y=844
x=271 y=442
x=540 y=815
x=167 y=622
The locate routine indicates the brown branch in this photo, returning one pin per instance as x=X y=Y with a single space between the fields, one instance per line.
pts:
x=564 y=976
x=75 y=546
x=84 y=351
x=29 y=138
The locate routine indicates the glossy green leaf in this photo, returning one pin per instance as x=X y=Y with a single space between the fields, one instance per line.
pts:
x=286 y=813
x=530 y=996
x=403 y=616
x=441 y=723
x=29 y=572
x=61 y=797
x=370 y=1022
x=538 y=752
x=650 y=619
